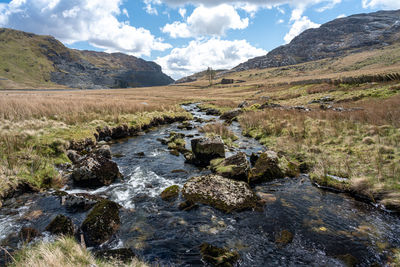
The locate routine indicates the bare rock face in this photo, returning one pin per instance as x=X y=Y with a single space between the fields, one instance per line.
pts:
x=236 y=167
x=336 y=38
x=221 y=193
x=206 y=149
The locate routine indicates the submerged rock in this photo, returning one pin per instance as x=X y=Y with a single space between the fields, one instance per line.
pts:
x=266 y=168
x=79 y=202
x=124 y=255
x=95 y=171
x=206 y=149
x=170 y=193
x=236 y=167
x=101 y=223
x=221 y=193
x=187 y=205
x=61 y=225
x=284 y=237
x=218 y=256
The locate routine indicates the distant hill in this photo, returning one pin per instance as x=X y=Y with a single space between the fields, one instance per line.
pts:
x=197 y=76
x=339 y=37
x=42 y=61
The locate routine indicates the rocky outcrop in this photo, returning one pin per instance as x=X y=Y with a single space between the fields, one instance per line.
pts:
x=221 y=193
x=336 y=38
x=61 y=225
x=236 y=167
x=101 y=223
x=218 y=256
x=206 y=149
x=266 y=168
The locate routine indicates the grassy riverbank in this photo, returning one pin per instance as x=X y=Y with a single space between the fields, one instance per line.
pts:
x=63 y=252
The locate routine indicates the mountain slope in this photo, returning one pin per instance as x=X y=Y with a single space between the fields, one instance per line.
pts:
x=41 y=61
x=336 y=38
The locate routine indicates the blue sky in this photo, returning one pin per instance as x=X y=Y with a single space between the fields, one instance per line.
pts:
x=183 y=36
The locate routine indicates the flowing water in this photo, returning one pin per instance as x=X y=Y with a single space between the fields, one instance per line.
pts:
x=325 y=225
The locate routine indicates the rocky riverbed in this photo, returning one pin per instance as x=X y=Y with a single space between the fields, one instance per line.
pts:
x=161 y=203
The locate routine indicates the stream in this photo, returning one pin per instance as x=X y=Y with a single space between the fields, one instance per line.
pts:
x=326 y=225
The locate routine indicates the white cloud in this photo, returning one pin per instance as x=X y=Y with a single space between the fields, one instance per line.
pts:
x=70 y=21
x=205 y=21
x=200 y=54
x=182 y=12
x=300 y=25
x=386 y=4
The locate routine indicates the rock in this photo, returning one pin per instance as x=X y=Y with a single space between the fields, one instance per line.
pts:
x=266 y=198
x=61 y=225
x=244 y=104
x=73 y=156
x=176 y=143
x=124 y=255
x=119 y=132
x=218 y=256
x=266 y=168
x=227 y=81
x=101 y=223
x=207 y=149
x=85 y=145
x=236 y=167
x=179 y=171
x=231 y=115
x=213 y=112
x=285 y=237
x=140 y=155
x=95 y=171
x=79 y=202
x=254 y=157
x=171 y=193
x=104 y=151
x=27 y=234
x=219 y=192
x=104 y=134
x=323 y=100
x=187 y=205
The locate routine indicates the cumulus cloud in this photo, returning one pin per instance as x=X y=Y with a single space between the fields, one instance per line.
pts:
x=205 y=21
x=300 y=25
x=200 y=54
x=70 y=21
x=386 y=4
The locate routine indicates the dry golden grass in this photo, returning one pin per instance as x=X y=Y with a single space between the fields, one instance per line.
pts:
x=221 y=130
x=63 y=252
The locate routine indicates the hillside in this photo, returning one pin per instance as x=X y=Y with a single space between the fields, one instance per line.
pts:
x=339 y=37
x=29 y=60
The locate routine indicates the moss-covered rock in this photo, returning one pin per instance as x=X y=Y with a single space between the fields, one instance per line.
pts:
x=27 y=234
x=224 y=194
x=218 y=256
x=170 y=193
x=61 y=225
x=331 y=182
x=207 y=149
x=101 y=223
x=349 y=260
x=266 y=168
x=284 y=237
x=236 y=167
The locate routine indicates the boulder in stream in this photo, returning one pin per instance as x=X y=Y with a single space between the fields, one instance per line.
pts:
x=206 y=149
x=236 y=167
x=224 y=194
x=27 y=234
x=95 y=171
x=61 y=225
x=218 y=256
x=101 y=223
x=266 y=168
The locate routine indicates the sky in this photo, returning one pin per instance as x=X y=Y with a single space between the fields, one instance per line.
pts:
x=183 y=36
